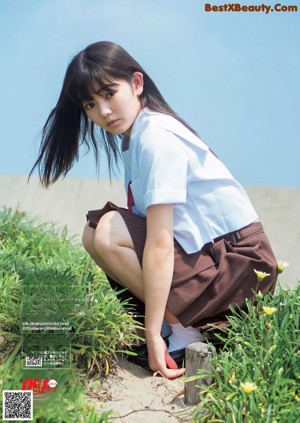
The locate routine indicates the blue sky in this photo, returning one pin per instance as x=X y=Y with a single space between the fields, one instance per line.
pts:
x=233 y=76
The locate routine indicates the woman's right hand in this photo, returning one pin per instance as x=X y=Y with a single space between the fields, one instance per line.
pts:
x=160 y=359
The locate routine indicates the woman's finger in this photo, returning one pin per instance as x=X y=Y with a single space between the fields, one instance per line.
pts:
x=172 y=373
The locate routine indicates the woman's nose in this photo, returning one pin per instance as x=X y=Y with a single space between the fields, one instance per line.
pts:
x=104 y=109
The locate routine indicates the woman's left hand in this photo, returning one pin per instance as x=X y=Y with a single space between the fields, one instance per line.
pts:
x=159 y=359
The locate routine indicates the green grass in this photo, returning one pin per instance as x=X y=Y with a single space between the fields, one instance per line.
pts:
x=46 y=277
x=263 y=350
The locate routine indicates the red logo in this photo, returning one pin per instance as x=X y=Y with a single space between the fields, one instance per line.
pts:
x=39 y=386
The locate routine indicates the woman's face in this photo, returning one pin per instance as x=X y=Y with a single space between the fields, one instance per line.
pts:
x=116 y=107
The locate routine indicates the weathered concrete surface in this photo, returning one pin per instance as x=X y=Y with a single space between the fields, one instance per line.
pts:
x=66 y=203
x=279 y=211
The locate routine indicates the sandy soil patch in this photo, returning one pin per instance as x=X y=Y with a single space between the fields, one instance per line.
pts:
x=136 y=396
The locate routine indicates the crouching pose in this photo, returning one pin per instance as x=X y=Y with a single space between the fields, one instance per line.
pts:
x=188 y=243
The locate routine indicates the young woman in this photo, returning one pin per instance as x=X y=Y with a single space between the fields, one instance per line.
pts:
x=187 y=246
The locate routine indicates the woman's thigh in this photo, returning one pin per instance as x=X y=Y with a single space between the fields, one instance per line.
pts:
x=112 y=231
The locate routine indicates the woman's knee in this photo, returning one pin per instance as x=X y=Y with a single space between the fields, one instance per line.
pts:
x=102 y=237
x=88 y=242
x=88 y=238
x=110 y=233
x=97 y=241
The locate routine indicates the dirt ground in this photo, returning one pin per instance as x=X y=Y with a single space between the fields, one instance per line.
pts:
x=136 y=396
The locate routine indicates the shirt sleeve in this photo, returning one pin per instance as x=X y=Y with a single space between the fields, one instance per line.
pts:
x=163 y=167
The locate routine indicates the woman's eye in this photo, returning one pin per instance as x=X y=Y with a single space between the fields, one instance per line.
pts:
x=110 y=94
x=89 y=106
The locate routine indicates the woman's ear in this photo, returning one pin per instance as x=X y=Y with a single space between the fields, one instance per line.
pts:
x=138 y=82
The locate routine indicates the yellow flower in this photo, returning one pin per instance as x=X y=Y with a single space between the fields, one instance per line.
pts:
x=261 y=275
x=281 y=265
x=248 y=387
x=233 y=378
x=269 y=310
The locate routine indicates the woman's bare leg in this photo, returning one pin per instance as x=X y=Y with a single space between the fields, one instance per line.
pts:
x=88 y=243
x=112 y=249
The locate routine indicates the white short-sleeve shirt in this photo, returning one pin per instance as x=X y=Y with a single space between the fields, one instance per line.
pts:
x=167 y=164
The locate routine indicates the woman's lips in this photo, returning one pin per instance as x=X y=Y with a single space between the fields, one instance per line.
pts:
x=113 y=122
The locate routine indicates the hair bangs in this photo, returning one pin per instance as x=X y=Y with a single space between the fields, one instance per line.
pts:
x=88 y=82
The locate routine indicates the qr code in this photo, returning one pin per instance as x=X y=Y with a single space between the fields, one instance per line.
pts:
x=17 y=405
x=33 y=361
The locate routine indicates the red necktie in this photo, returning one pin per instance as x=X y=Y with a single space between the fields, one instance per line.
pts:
x=130 y=199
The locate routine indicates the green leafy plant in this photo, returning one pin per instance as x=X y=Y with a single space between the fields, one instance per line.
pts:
x=256 y=376
x=39 y=268
x=46 y=277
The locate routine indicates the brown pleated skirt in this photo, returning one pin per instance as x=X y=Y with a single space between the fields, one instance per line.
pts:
x=206 y=283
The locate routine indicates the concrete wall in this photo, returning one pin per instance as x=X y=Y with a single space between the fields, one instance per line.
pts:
x=67 y=202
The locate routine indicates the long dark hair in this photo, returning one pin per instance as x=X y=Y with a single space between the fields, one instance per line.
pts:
x=68 y=126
